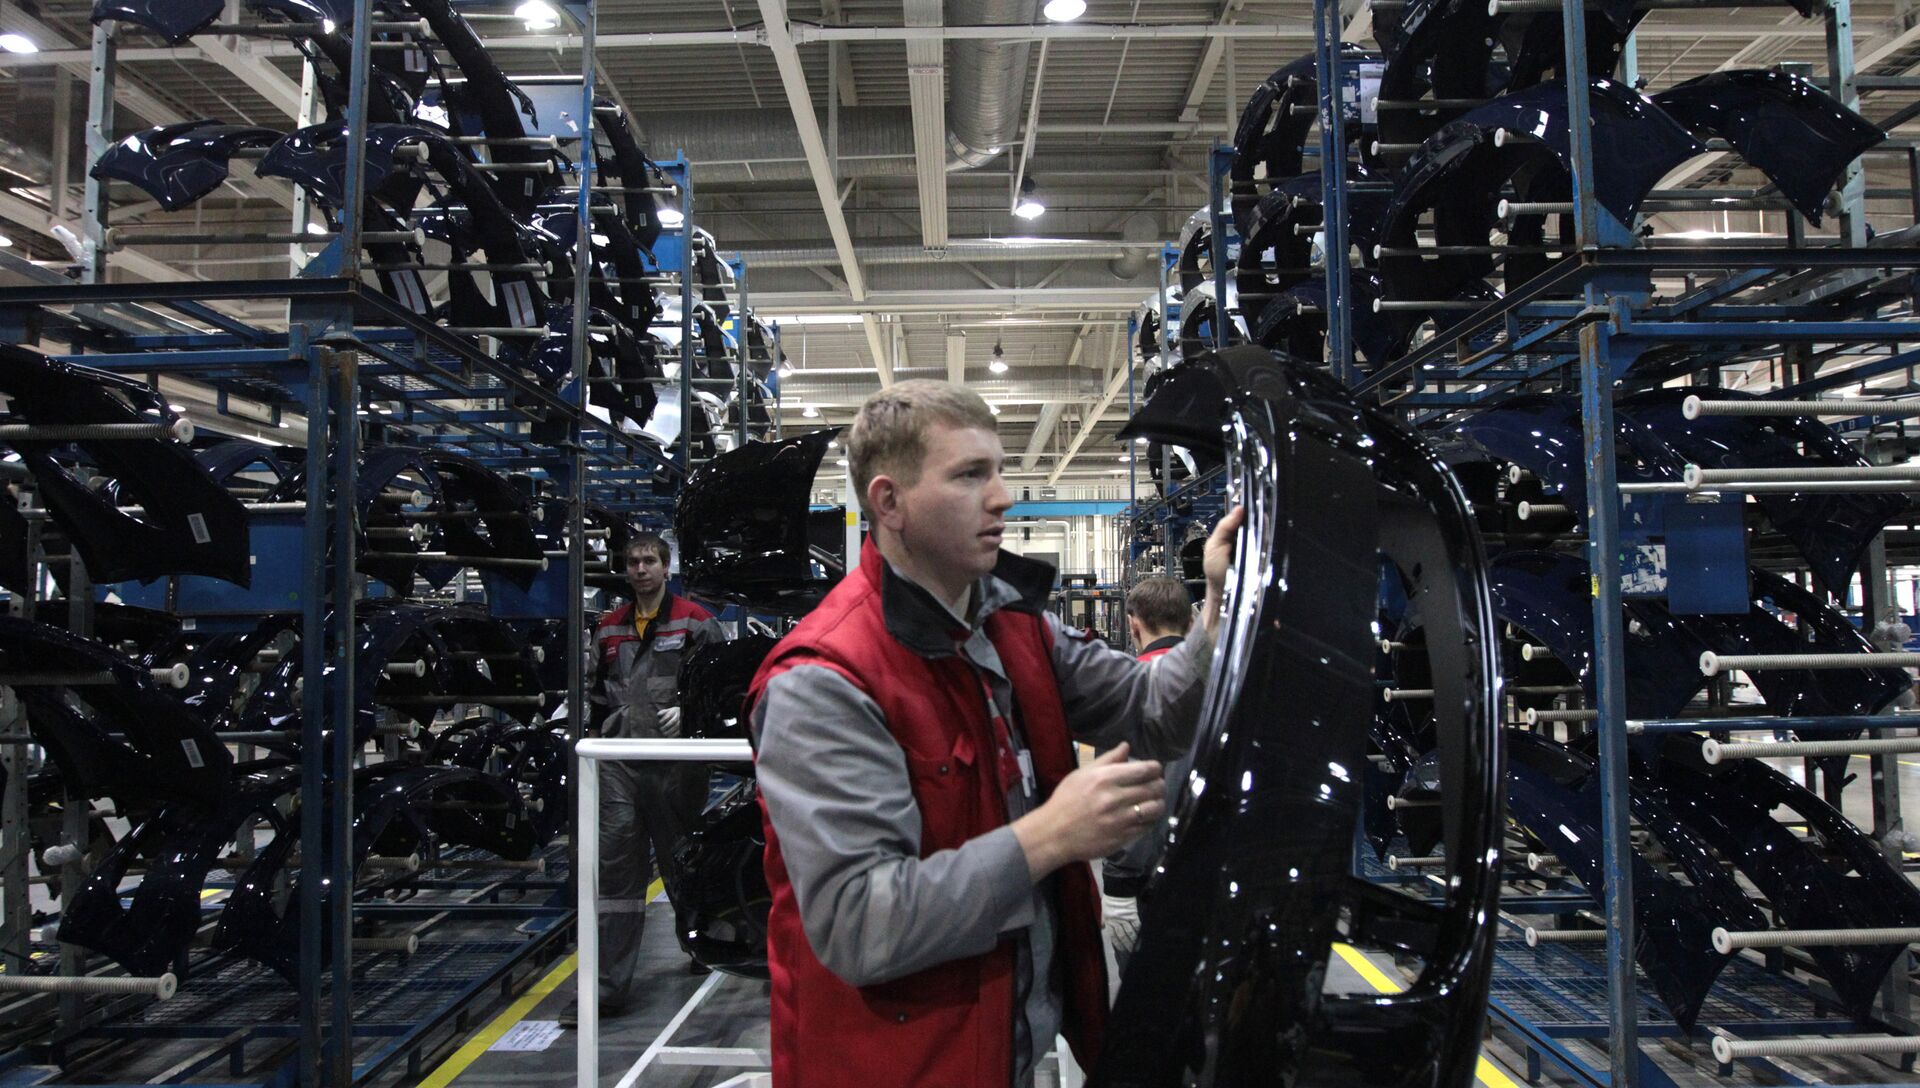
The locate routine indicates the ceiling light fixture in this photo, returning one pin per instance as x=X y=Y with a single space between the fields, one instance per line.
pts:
x=5 y=242
x=672 y=218
x=998 y=364
x=1029 y=205
x=994 y=408
x=538 y=15
x=810 y=412
x=1064 y=11
x=18 y=43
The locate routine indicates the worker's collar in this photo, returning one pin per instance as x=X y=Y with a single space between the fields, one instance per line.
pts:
x=1164 y=642
x=924 y=624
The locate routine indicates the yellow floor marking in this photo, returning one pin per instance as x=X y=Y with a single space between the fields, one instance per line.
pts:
x=1488 y=1073
x=501 y=1024
x=471 y=1050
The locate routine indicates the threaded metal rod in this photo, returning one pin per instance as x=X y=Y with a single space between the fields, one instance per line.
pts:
x=1727 y=1050
x=1695 y=407
x=1714 y=751
x=1535 y=715
x=1537 y=937
x=1712 y=664
x=1402 y=695
x=1397 y=863
x=1725 y=941
x=180 y=430
x=159 y=988
x=1697 y=478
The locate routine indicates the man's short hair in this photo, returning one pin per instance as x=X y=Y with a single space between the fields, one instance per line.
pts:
x=1161 y=603
x=890 y=434
x=650 y=542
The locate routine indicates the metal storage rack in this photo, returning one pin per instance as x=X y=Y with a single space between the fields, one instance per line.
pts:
x=361 y=367
x=1559 y=993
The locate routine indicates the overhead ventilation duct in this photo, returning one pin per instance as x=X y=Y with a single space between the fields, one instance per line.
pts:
x=986 y=81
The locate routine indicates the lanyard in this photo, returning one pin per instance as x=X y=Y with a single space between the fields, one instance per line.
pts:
x=1009 y=765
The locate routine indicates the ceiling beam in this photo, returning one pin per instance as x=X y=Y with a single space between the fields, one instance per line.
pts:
x=1122 y=368
x=882 y=363
x=957 y=358
x=1043 y=429
x=1203 y=72
x=927 y=90
x=793 y=78
x=848 y=88
x=255 y=71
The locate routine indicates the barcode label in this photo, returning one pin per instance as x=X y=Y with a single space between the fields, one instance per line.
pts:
x=193 y=754
x=198 y=523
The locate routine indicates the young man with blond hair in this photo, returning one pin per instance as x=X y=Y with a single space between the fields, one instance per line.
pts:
x=934 y=919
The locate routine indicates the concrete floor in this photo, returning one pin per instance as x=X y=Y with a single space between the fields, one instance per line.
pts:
x=734 y=1013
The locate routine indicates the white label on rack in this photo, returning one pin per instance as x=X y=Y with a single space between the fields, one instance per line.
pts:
x=416 y=59
x=519 y=299
x=198 y=524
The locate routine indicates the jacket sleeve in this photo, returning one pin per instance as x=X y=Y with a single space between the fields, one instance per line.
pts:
x=1112 y=697
x=836 y=790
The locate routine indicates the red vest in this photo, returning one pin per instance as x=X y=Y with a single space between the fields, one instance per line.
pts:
x=951 y=1025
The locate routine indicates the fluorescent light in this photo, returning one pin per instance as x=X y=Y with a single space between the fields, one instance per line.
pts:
x=178 y=407
x=537 y=14
x=1142 y=441
x=1064 y=11
x=672 y=218
x=18 y=43
x=1029 y=205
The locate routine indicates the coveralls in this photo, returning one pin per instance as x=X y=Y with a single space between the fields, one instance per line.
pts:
x=636 y=674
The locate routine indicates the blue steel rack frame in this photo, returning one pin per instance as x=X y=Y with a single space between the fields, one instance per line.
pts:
x=348 y=346
x=1524 y=338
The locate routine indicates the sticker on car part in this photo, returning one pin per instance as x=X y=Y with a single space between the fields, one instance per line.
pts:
x=198 y=523
x=193 y=754
x=519 y=299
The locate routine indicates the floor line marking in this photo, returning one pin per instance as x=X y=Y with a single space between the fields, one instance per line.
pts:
x=1488 y=1073
x=501 y=1024
x=471 y=1050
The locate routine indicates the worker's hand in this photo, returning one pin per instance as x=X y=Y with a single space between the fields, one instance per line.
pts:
x=1120 y=917
x=1215 y=561
x=670 y=721
x=1093 y=812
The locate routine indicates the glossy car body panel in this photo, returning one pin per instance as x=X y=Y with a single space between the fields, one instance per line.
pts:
x=161 y=751
x=1225 y=985
x=173 y=20
x=1554 y=792
x=1549 y=596
x=395 y=815
x=1843 y=882
x=175 y=847
x=1831 y=530
x=1799 y=136
x=191 y=525
x=178 y=164
x=1460 y=175
x=742 y=525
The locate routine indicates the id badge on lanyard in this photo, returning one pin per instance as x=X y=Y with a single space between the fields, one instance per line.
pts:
x=1011 y=761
